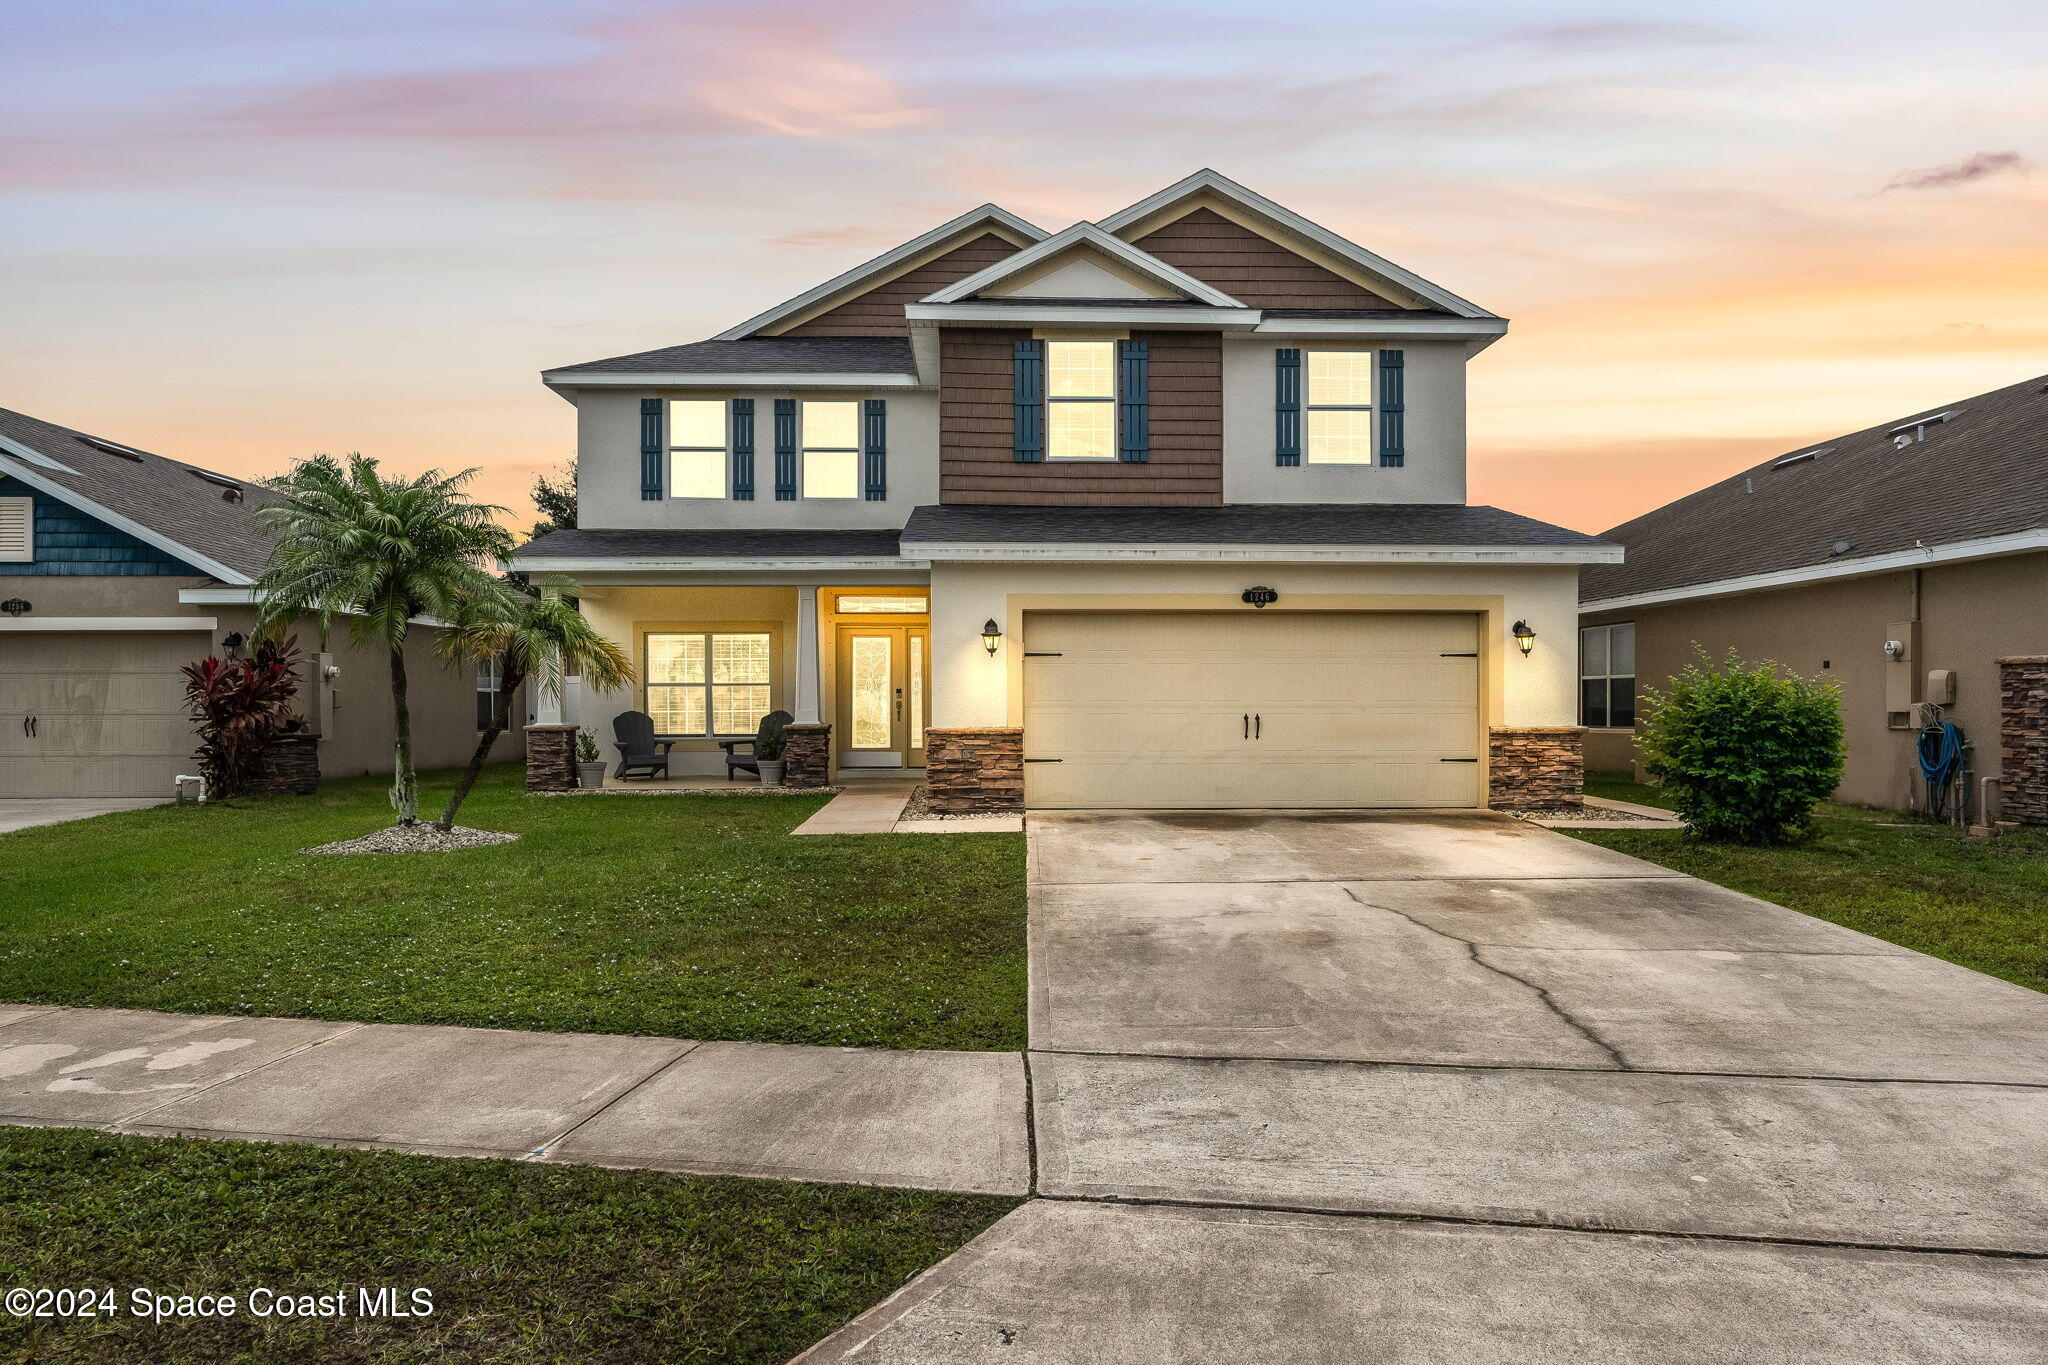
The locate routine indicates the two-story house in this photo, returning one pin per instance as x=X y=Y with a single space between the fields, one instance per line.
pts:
x=1166 y=510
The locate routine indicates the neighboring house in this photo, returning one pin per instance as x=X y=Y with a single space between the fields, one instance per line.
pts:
x=117 y=567
x=1916 y=547
x=1166 y=510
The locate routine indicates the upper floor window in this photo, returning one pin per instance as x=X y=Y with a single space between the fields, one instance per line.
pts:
x=1339 y=416
x=696 y=448
x=831 y=449
x=1607 y=676
x=1080 y=400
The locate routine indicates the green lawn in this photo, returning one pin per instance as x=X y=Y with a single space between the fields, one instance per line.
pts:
x=1978 y=902
x=523 y=1262
x=686 y=916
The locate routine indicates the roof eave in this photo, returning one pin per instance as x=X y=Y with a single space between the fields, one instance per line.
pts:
x=785 y=379
x=1092 y=315
x=1127 y=552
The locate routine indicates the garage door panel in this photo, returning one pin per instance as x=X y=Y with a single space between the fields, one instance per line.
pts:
x=1148 y=709
x=108 y=707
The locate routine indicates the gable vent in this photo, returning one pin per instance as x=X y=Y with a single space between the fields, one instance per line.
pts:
x=17 y=530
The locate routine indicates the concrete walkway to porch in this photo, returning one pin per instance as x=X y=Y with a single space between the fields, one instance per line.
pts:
x=1451 y=1089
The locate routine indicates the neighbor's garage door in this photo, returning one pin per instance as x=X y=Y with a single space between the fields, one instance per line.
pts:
x=94 y=714
x=1169 y=710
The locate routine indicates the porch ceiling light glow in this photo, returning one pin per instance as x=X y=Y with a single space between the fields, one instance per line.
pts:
x=1524 y=636
x=991 y=635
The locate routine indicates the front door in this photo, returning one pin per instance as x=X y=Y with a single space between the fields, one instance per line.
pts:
x=884 y=696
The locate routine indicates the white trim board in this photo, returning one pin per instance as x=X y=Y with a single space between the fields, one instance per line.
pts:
x=97 y=623
x=1084 y=234
x=1224 y=187
x=605 y=379
x=1987 y=547
x=1449 y=328
x=33 y=456
x=972 y=551
x=830 y=568
x=114 y=519
x=987 y=213
x=1088 y=315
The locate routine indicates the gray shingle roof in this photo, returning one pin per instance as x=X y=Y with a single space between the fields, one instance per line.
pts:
x=763 y=355
x=799 y=543
x=1982 y=472
x=166 y=496
x=1241 y=524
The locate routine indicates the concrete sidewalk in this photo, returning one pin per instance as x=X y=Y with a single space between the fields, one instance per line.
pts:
x=925 y=1120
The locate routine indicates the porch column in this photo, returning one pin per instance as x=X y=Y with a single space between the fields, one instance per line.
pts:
x=806 y=704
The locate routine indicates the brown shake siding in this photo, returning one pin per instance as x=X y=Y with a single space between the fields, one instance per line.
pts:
x=977 y=462
x=1251 y=269
x=879 y=312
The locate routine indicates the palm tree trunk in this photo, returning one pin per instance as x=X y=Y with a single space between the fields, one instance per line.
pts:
x=509 y=680
x=405 y=787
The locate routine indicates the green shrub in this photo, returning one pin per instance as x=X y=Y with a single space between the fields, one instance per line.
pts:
x=1746 y=751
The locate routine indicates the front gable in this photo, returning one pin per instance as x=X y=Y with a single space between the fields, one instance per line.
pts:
x=876 y=310
x=66 y=542
x=1254 y=268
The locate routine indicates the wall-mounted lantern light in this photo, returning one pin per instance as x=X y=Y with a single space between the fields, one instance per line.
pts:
x=991 y=635
x=1524 y=637
x=231 y=645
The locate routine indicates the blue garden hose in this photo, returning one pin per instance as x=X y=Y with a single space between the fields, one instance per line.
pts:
x=1941 y=763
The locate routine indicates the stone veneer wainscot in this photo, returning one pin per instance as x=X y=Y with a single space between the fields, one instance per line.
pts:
x=1537 y=766
x=972 y=771
x=2023 y=732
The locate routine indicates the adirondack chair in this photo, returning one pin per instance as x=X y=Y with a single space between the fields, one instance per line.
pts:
x=735 y=762
x=639 y=750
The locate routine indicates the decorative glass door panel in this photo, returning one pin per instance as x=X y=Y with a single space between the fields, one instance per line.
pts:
x=883 y=701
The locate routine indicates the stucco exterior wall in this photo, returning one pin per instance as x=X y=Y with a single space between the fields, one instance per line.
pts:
x=1969 y=616
x=1433 y=435
x=608 y=466
x=971 y=689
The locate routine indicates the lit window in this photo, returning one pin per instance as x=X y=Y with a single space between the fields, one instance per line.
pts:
x=831 y=447
x=1339 y=407
x=708 y=684
x=490 y=684
x=696 y=448
x=893 y=606
x=1607 y=676
x=1080 y=400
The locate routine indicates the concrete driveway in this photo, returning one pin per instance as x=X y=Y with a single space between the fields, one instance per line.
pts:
x=1450 y=1088
x=27 y=812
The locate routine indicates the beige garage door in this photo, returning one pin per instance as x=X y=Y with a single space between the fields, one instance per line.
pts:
x=94 y=714
x=1166 y=710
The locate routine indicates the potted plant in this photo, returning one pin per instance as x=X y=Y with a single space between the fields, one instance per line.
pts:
x=589 y=763
x=768 y=754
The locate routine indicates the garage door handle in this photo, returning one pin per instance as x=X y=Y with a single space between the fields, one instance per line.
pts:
x=1247 y=725
x=1258 y=723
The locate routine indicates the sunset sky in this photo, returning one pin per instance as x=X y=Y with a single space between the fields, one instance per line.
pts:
x=243 y=231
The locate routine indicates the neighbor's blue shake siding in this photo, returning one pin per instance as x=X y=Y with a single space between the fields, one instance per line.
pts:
x=72 y=544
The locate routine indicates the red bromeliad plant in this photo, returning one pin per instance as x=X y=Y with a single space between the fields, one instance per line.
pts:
x=239 y=706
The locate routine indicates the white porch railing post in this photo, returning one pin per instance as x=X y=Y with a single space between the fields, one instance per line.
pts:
x=806 y=707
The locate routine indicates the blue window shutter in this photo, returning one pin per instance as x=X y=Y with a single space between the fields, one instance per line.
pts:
x=1287 y=406
x=743 y=449
x=1393 y=453
x=785 y=450
x=876 y=431
x=1030 y=421
x=1134 y=399
x=650 y=449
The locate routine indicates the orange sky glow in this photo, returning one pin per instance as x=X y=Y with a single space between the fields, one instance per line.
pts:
x=244 y=236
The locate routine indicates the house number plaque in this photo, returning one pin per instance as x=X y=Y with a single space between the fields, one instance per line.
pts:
x=15 y=606
x=1260 y=597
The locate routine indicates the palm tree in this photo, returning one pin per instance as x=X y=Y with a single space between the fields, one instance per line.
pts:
x=384 y=551
x=533 y=638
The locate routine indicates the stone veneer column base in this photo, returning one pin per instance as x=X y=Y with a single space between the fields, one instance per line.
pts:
x=290 y=766
x=1536 y=765
x=2023 y=734
x=551 y=758
x=806 y=755
x=967 y=772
